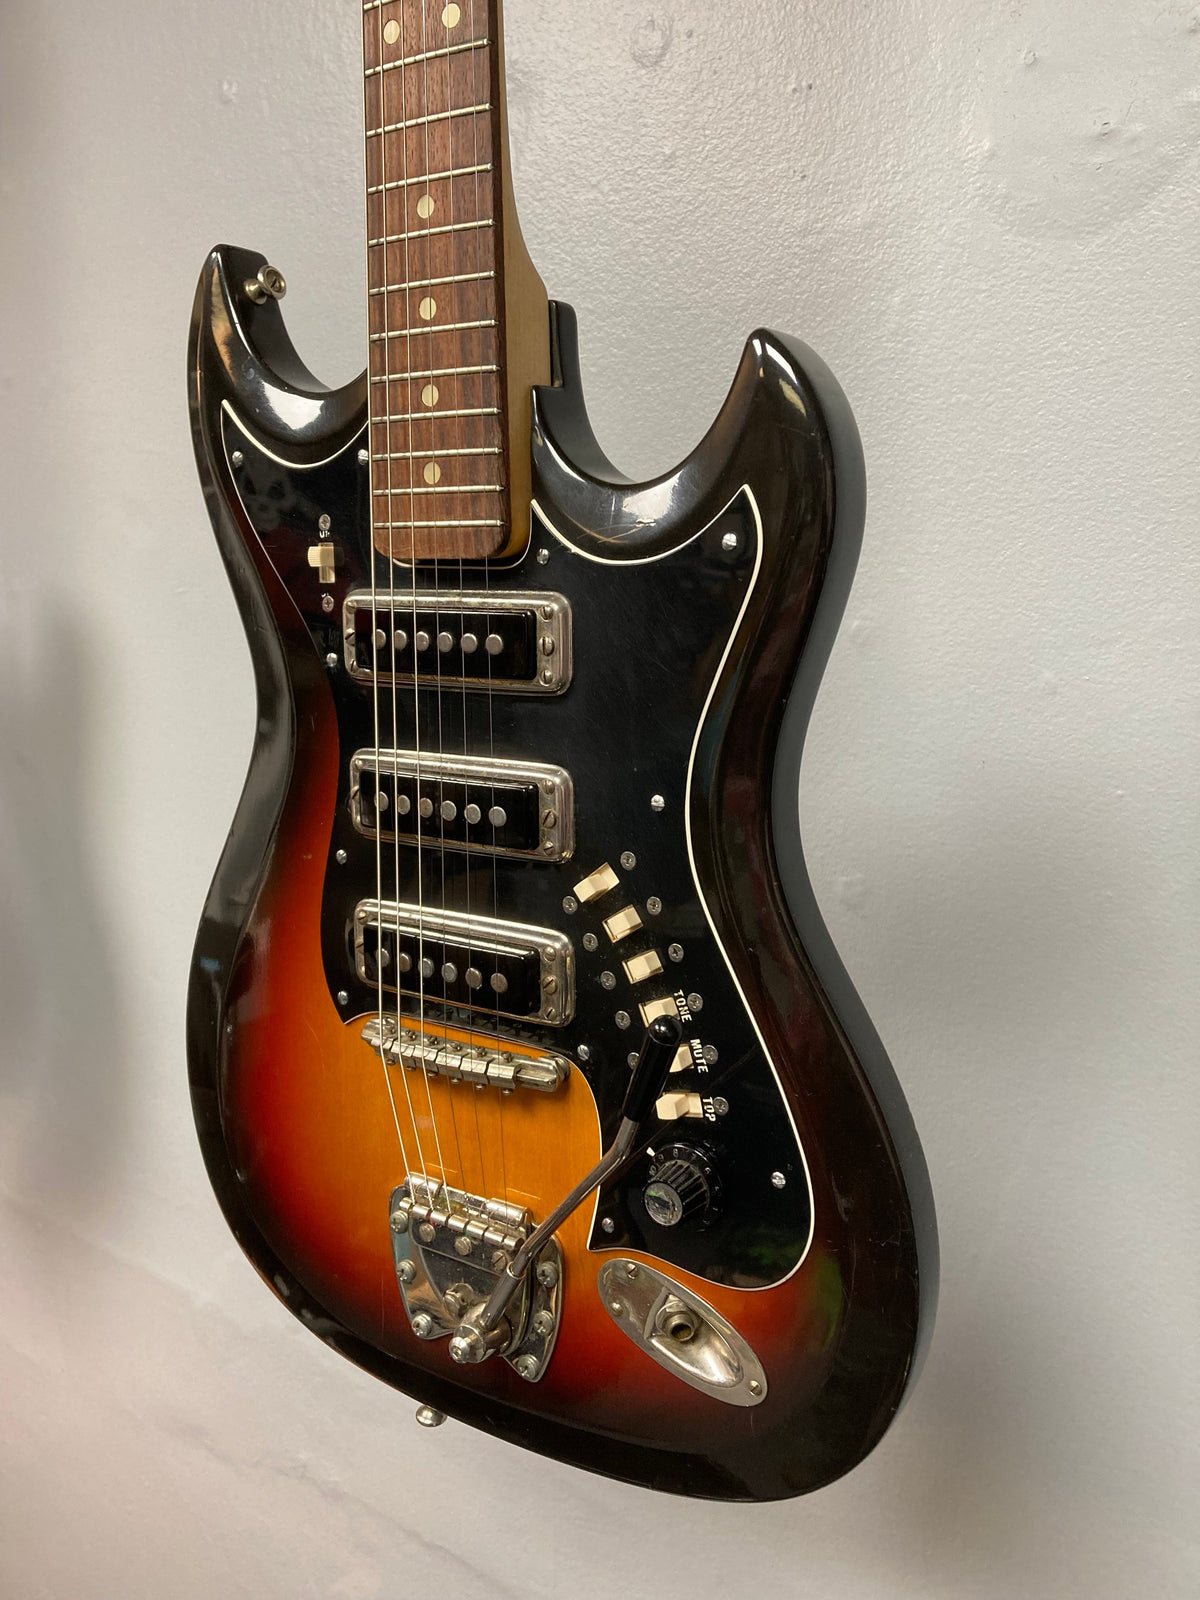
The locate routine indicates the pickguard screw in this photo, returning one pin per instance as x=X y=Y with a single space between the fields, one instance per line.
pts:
x=406 y=1271
x=622 y=1019
x=778 y=1180
x=720 y=1104
x=331 y=659
x=342 y=997
x=570 y=904
x=695 y=1002
x=590 y=941
x=542 y=556
x=607 y=1225
x=654 y=905
x=236 y=458
x=341 y=858
x=729 y=541
x=584 y=1052
x=422 y=1325
x=326 y=602
x=364 y=457
x=710 y=1054
x=657 y=802
x=430 y=1416
x=675 y=951
x=607 y=980
x=323 y=522
x=628 y=860
x=632 y=1058
x=547 y=1274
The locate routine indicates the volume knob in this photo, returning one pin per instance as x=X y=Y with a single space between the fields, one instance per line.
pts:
x=681 y=1186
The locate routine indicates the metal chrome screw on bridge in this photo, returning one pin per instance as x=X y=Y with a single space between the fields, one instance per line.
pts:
x=485 y=1331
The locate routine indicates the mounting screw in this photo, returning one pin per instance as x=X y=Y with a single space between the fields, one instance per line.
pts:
x=608 y=980
x=499 y=1257
x=631 y=1270
x=323 y=521
x=617 y=1309
x=326 y=602
x=343 y=998
x=331 y=659
x=654 y=905
x=695 y=1002
x=570 y=904
x=710 y=1055
x=236 y=458
x=754 y=1386
x=422 y=1325
x=657 y=802
x=526 y=1366
x=632 y=1058
x=543 y=1323
x=430 y=1416
x=590 y=941
x=547 y=1274
x=584 y=1052
x=427 y=1232
x=406 y=1271
x=628 y=860
x=542 y=556
x=341 y=858
x=778 y=1180
x=729 y=541
x=463 y=1245
x=364 y=458
x=399 y=1221
x=608 y=1225
x=675 y=951
x=622 y=1019
x=720 y=1104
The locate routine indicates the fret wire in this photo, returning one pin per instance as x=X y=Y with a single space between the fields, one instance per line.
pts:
x=428 y=283
x=412 y=455
x=419 y=333
x=428 y=55
x=431 y=416
x=431 y=177
x=442 y=372
x=425 y=233
x=445 y=488
x=432 y=116
x=449 y=522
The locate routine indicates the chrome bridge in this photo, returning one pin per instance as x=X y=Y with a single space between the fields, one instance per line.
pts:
x=515 y=643
x=450 y=1248
x=468 y=1063
x=489 y=806
x=508 y=969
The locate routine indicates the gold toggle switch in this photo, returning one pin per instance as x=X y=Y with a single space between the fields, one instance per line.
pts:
x=676 y=1104
x=596 y=883
x=324 y=558
x=622 y=923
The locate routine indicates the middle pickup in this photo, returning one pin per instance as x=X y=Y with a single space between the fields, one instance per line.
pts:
x=483 y=804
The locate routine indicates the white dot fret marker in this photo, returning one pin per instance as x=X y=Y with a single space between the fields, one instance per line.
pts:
x=425 y=205
x=428 y=308
x=451 y=16
x=429 y=395
x=391 y=32
x=432 y=472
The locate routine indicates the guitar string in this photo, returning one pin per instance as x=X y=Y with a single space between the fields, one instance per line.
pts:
x=493 y=92
x=422 y=959
x=433 y=424
x=387 y=425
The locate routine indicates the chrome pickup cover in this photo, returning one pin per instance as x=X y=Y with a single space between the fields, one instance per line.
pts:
x=468 y=1063
x=516 y=643
x=507 y=969
x=484 y=805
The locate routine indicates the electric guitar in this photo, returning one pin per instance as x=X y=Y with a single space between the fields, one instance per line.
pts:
x=524 y=1067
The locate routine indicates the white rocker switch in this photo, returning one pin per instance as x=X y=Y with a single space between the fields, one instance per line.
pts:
x=324 y=558
x=596 y=883
x=675 y=1104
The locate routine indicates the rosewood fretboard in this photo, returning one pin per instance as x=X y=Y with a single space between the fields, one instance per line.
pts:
x=446 y=464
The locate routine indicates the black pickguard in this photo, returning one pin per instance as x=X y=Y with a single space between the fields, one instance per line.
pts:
x=649 y=637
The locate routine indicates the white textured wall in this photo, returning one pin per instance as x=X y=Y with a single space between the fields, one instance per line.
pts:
x=984 y=216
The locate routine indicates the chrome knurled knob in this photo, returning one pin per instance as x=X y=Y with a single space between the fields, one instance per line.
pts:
x=679 y=1188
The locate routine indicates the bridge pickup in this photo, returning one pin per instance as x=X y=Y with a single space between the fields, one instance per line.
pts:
x=516 y=643
x=507 y=969
x=468 y=1063
x=489 y=807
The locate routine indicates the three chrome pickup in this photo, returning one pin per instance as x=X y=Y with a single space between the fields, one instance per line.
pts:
x=487 y=806
x=511 y=643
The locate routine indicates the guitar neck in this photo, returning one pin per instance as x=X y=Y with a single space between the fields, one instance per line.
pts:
x=458 y=321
